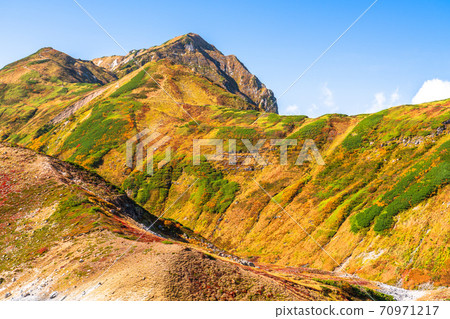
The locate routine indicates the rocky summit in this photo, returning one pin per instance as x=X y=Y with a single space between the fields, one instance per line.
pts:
x=72 y=200
x=194 y=52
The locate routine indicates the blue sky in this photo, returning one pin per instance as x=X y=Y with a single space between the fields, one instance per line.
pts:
x=384 y=60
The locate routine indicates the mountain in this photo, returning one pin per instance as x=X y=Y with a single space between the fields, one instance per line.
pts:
x=49 y=65
x=376 y=207
x=42 y=83
x=192 y=51
x=49 y=86
x=67 y=234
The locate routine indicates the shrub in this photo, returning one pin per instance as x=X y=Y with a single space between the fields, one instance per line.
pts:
x=352 y=142
x=384 y=221
x=310 y=131
x=362 y=130
x=63 y=91
x=43 y=130
x=105 y=133
x=155 y=188
x=236 y=132
x=436 y=177
x=38 y=61
x=134 y=83
x=273 y=118
x=365 y=218
x=214 y=193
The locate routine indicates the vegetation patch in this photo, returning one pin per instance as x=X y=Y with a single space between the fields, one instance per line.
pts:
x=98 y=134
x=358 y=291
x=214 y=194
x=131 y=85
x=361 y=132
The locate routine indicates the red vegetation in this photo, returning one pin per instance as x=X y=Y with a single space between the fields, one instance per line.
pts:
x=42 y=250
x=122 y=227
x=5 y=187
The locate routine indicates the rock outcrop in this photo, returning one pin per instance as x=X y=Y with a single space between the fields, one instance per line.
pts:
x=193 y=51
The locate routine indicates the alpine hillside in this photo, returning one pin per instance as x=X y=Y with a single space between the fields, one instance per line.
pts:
x=375 y=210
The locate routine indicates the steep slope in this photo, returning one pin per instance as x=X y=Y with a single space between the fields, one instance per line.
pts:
x=66 y=234
x=192 y=51
x=35 y=88
x=48 y=86
x=376 y=206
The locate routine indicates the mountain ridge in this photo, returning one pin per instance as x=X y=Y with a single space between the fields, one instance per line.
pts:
x=375 y=206
x=89 y=241
x=193 y=51
x=58 y=64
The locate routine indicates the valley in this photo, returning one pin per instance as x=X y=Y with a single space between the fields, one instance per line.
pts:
x=377 y=211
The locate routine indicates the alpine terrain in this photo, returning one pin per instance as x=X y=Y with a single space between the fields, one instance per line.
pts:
x=80 y=219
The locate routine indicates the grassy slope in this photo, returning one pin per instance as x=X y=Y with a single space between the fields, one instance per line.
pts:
x=35 y=89
x=375 y=201
x=72 y=226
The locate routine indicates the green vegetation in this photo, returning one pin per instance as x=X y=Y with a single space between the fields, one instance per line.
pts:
x=235 y=132
x=38 y=61
x=102 y=131
x=214 y=194
x=154 y=189
x=310 y=131
x=43 y=130
x=420 y=183
x=361 y=132
x=358 y=291
x=434 y=179
x=131 y=85
x=365 y=218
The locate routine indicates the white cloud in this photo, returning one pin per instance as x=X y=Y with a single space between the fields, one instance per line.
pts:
x=328 y=99
x=395 y=97
x=293 y=109
x=312 y=110
x=432 y=90
x=327 y=104
x=380 y=101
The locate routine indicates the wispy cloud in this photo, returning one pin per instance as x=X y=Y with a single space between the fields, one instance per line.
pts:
x=381 y=102
x=312 y=110
x=327 y=101
x=293 y=109
x=328 y=98
x=395 y=97
x=432 y=90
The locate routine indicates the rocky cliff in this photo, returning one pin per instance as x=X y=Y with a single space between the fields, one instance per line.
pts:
x=193 y=51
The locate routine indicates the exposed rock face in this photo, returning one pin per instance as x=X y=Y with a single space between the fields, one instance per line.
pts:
x=70 y=110
x=203 y=58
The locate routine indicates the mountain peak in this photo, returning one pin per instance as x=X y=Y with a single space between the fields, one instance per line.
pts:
x=49 y=63
x=189 y=42
x=190 y=35
x=192 y=51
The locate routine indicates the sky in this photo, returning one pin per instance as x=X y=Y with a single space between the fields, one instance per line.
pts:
x=397 y=53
